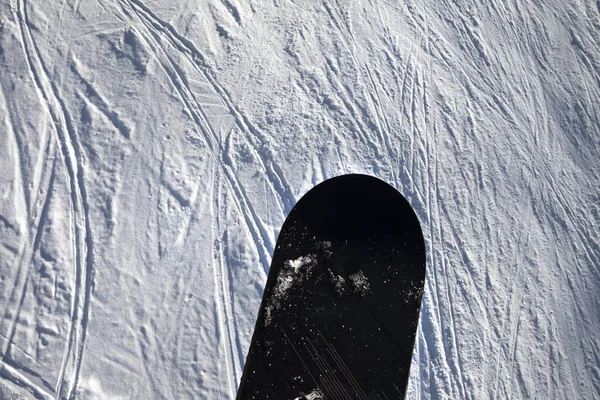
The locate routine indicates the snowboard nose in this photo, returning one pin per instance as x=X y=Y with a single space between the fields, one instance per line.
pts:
x=356 y=206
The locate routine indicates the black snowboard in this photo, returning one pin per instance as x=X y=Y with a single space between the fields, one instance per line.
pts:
x=341 y=304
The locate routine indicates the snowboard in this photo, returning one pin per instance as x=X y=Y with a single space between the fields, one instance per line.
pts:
x=341 y=304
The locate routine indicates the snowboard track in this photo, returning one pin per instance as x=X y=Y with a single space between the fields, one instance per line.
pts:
x=70 y=150
x=153 y=32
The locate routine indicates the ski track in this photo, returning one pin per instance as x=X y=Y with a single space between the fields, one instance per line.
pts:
x=381 y=122
x=431 y=138
x=222 y=282
x=33 y=218
x=195 y=57
x=70 y=152
x=155 y=27
x=157 y=30
x=10 y=369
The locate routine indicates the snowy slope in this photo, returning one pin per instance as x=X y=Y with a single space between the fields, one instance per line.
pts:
x=151 y=150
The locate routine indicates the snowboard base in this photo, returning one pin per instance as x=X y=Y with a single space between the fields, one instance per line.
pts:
x=341 y=304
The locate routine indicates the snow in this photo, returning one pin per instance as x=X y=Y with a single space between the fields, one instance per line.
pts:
x=150 y=151
x=360 y=283
x=293 y=274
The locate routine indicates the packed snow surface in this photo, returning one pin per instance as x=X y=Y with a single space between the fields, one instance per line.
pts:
x=151 y=149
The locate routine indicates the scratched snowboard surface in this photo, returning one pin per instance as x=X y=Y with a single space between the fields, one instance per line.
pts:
x=341 y=305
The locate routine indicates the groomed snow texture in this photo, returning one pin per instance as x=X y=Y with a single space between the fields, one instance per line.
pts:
x=151 y=149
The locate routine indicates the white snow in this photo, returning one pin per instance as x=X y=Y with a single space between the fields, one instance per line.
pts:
x=360 y=283
x=293 y=273
x=150 y=151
